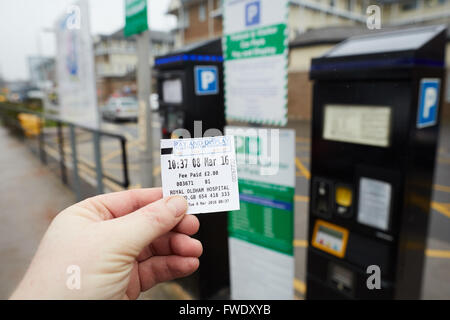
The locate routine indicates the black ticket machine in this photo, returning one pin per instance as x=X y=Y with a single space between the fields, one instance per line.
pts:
x=376 y=106
x=191 y=99
x=190 y=89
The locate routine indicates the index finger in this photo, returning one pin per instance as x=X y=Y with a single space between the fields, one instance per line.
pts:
x=120 y=203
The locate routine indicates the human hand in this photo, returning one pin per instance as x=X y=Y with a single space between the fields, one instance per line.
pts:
x=123 y=243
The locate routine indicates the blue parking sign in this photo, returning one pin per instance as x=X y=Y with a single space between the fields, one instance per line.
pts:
x=206 y=80
x=428 y=102
x=252 y=13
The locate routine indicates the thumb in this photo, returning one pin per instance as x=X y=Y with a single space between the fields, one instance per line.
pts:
x=139 y=228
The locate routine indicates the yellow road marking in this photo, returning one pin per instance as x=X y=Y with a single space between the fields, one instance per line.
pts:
x=444 y=160
x=118 y=152
x=432 y=253
x=302 y=139
x=305 y=172
x=300 y=243
x=445 y=254
x=301 y=198
x=300 y=286
x=442 y=208
x=303 y=148
x=119 y=166
x=439 y=187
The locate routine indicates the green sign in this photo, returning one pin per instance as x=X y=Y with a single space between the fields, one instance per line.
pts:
x=261 y=233
x=135 y=17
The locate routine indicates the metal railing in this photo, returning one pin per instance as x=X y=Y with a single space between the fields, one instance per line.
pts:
x=9 y=115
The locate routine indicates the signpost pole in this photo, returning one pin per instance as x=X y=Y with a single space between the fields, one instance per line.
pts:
x=136 y=24
x=145 y=113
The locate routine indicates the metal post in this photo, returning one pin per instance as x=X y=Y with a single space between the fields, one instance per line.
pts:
x=41 y=141
x=76 y=177
x=62 y=165
x=126 y=179
x=145 y=114
x=98 y=161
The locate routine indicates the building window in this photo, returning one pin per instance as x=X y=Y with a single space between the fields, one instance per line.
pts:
x=202 y=13
x=332 y=3
x=186 y=17
x=350 y=5
x=409 y=5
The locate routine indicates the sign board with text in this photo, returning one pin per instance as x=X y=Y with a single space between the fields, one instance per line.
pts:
x=255 y=45
x=135 y=17
x=261 y=232
x=77 y=93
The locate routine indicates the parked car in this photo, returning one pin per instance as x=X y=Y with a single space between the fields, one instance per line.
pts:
x=122 y=108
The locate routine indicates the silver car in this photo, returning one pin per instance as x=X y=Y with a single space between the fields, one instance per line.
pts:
x=123 y=108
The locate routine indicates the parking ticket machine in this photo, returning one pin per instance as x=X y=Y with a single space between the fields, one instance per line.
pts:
x=190 y=89
x=376 y=106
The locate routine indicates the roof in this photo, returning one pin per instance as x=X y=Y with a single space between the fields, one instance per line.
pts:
x=174 y=5
x=155 y=35
x=336 y=34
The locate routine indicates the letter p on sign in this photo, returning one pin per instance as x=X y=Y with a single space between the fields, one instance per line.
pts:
x=206 y=80
x=252 y=13
x=427 y=114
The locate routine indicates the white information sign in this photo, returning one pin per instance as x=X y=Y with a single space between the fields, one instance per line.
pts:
x=374 y=203
x=256 y=57
x=172 y=91
x=75 y=67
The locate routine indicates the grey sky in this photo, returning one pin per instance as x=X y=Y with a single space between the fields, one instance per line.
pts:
x=22 y=22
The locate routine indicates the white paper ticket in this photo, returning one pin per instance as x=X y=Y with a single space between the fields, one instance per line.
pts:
x=203 y=171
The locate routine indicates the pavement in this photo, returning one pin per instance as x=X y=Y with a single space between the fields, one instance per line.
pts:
x=27 y=206
x=437 y=265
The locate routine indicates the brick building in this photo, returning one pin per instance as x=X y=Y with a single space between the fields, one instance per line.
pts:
x=116 y=60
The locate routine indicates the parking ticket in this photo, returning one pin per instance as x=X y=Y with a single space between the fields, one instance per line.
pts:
x=203 y=171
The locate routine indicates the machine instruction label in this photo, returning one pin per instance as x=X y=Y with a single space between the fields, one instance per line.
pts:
x=203 y=171
x=369 y=125
x=374 y=203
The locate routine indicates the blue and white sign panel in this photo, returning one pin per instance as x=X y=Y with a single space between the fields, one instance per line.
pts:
x=252 y=13
x=428 y=103
x=206 y=80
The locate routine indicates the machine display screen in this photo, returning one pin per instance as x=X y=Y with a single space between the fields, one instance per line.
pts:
x=330 y=238
x=368 y=125
x=172 y=91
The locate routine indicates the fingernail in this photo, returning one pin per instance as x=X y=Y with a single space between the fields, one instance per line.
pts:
x=178 y=205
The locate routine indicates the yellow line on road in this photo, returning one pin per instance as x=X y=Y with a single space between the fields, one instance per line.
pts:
x=302 y=139
x=300 y=243
x=118 y=152
x=444 y=160
x=432 y=253
x=301 y=198
x=305 y=172
x=442 y=188
x=441 y=208
x=445 y=254
x=300 y=286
